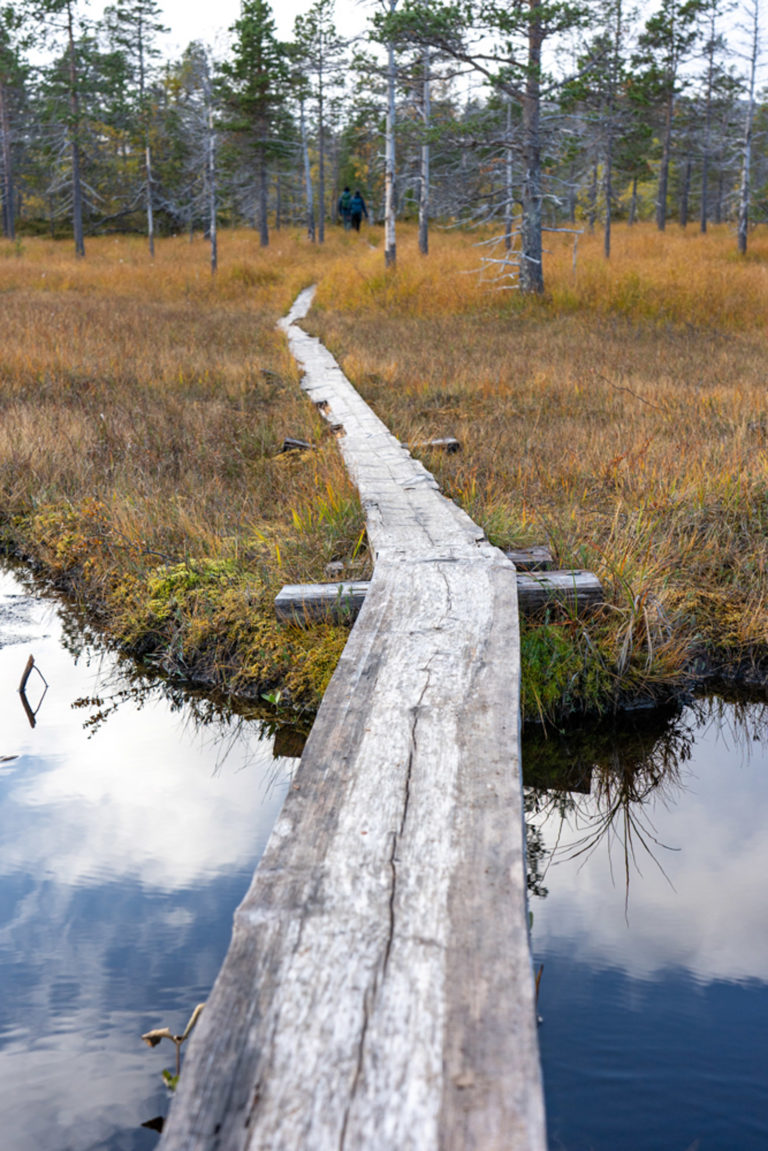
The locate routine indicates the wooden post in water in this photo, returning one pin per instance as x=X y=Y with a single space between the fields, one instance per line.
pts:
x=378 y=993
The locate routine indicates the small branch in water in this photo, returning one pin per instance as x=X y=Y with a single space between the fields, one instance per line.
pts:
x=31 y=666
x=30 y=713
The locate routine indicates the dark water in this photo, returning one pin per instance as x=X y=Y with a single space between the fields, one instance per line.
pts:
x=650 y=917
x=128 y=835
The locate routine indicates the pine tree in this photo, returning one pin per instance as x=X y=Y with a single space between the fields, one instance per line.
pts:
x=253 y=85
x=667 y=41
x=504 y=44
x=320 y=53
x=135 y=27
x=13 y=75
x=61 y=16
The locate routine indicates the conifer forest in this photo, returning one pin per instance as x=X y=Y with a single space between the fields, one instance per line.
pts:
x=569 y=114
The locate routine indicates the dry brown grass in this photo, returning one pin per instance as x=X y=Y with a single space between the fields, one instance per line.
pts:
x=143 y=407
x=623 y=419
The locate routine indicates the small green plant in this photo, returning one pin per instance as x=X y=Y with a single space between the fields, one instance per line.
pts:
x=153 y=1038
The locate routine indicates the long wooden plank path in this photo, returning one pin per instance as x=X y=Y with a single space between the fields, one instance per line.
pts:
x=378 y=990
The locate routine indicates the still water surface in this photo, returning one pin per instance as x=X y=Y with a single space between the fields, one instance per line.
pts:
x=129 y=832
x=650 y=917
x=126 y=841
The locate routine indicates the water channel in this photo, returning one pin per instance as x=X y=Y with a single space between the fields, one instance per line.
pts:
x=650 y=930
x=129 y=832
x=131 y=820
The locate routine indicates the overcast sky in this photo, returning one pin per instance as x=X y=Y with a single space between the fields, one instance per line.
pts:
x=201 y=20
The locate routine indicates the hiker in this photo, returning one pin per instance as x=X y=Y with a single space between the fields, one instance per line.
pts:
x=357 y=209
x=345 y=203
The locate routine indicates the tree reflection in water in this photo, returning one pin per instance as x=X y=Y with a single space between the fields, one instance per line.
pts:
x=599 y=783
x=226 y=723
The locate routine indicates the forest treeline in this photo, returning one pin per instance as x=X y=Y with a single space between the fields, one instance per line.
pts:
x=550 y=114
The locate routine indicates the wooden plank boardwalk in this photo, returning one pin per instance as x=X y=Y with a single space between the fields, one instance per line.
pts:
x=378 y=991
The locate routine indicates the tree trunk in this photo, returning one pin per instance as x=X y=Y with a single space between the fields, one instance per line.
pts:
x=320 y=162
x=707 y=141
x=424 y=177
x=509 y=187
x=308 y=195
x=704 y=190
x=150 y=207
x=531 y=273
x=263 y=200
x=685 y=191
x=661 y=200
x=746 y=148
x=572 y=192
x=633 y=203
x=210 y=170
x=74 y=112
x=608 y=187
x=9 y=208
x=212 y=192
x=390 y=246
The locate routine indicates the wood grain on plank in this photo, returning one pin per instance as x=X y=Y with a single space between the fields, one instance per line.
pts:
x=378 y=992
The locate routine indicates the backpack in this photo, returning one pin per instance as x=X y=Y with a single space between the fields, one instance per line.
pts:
x=346 y=201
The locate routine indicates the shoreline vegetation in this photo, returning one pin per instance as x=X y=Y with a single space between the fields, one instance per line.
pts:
x=622 y=419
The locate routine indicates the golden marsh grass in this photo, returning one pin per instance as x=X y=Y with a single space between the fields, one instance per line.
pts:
x=622 y=418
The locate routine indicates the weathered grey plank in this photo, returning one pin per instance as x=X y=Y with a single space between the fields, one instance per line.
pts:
x=536 y=558
x=342 y=601
x=306 y=603
x=448 y=444
x=378 y=991
x=580 y=590
x=291 y=444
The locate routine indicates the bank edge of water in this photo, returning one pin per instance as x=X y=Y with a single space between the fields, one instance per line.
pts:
x=210 y=625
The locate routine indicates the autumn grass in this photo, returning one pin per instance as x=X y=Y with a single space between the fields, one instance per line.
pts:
x=622 y=419
x=143 y=406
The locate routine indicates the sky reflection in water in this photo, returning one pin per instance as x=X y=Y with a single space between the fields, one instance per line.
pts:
x=126 y=845
x=124 y=850
x=654 y=994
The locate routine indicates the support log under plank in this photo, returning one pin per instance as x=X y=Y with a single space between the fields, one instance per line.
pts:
x=341 y=601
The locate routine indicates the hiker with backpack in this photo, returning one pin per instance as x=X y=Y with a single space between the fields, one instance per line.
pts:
x=344 y=208
x=357 y=210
